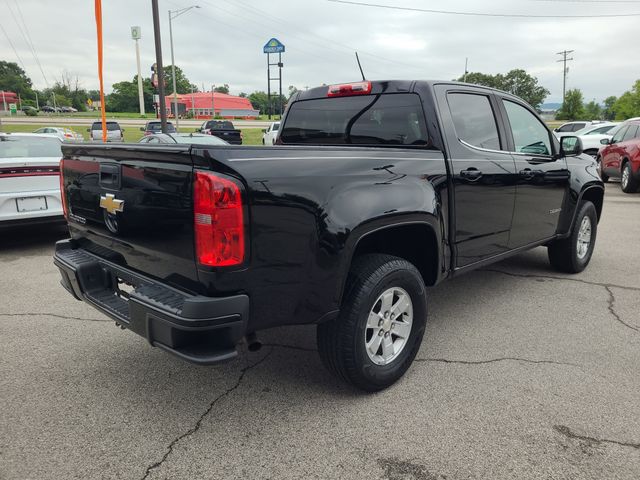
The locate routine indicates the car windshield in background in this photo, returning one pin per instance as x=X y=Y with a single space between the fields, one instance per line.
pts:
x=29 y=147
x=393 y=119
x=199 y=139
x=220 y=126
x=111 y=126
x=157 y=127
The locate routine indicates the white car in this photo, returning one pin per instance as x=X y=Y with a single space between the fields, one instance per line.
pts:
x=29 y=179
x=592 y=135
x=570 y=128
x=62 y=133
x=270 y=134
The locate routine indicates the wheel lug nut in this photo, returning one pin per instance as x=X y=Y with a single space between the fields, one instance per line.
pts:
x=380 y=323
x=393 y=325
x=381 y=332
x=393 y=315
x=386 y=334
x=386 y=314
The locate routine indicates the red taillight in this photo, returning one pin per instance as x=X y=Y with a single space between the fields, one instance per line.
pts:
x=63 y=198
x=218 y=221
x=68 y=135
x=347 y=89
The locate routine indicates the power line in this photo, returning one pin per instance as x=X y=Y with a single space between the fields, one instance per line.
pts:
x=30 y=41
x=12 y=47
x=481 y=14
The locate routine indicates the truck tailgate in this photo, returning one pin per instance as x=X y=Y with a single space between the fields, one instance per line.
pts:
x=132 y=205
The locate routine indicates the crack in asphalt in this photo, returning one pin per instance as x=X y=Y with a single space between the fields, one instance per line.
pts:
x=607 y=286
x=198 y=423
x=65 y=317
x=290 y=347
x=611 y=301
x=551 y=277
x=494 y=360
x=567 y=432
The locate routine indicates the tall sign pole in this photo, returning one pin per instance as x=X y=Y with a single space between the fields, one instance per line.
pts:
x=162 y=106
x=564 y=60
x=274 y=46
x=136 y=35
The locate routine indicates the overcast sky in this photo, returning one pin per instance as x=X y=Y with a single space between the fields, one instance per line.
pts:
x=221 y=42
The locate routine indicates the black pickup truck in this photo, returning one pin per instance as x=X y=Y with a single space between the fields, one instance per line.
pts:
x=223 y=129
x=376 y=191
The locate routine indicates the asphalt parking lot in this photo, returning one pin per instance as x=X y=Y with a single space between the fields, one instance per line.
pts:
x=524 y=373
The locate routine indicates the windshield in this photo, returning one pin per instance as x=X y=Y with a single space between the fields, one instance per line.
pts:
x=157 y=127
x=29 y=147
x=213 y=125
x=111 y=126
x=392 y=119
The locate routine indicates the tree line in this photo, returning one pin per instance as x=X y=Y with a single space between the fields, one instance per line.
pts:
x=68 y=92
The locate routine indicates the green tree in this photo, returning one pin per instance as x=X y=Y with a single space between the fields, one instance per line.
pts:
x=124 y=97
x=222 y=89
x=592 y=111
x=260 y=101
x=14 y=79
x=292 y=90
x=517 y=82
x=608 y=113
x=628 y=105
x=572 y=107
x=183 y=85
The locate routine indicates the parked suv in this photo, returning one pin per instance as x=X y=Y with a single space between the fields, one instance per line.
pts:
x=114 y=132
x=620 y=158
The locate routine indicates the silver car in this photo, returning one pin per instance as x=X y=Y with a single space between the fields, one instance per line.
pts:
x=114 y=132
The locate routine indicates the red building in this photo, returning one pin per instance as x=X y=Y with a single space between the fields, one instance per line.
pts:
x=6 y=98
x=226 y=106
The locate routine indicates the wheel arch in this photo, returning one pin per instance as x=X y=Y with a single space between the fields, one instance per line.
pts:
x=416 y=241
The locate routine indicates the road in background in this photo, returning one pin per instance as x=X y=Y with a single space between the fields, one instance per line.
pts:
x=62 y=120
x=523 y=373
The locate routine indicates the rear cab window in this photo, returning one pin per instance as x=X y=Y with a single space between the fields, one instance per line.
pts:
x=394 y=119
x=474 y=120
x=111 y=126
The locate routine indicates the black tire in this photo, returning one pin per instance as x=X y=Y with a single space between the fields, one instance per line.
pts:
x=341 y=342
x=630 y=185
x=563 y=254
x=603 y=176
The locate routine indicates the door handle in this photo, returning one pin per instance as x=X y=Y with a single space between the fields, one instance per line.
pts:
x=472 y=174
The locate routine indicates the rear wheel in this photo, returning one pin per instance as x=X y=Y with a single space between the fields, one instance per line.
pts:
x=628 y=184
x=378 y=332
x=572 y=254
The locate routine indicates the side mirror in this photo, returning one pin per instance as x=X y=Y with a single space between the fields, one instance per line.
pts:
x=142 y=129
x=605 y=141
x=570 y=146
x=122 y=130
x=264 y=130
x=88 y=129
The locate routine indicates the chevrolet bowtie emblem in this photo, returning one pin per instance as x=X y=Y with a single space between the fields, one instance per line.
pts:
x=111 y=204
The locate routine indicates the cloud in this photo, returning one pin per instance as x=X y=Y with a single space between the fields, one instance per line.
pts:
x=222 y=42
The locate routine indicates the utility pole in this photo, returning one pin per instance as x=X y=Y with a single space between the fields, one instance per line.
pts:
x=565 y=54
x=37 y=103
x=159 y=70
x=466 y=63
x=135 y=34
x=213 y=110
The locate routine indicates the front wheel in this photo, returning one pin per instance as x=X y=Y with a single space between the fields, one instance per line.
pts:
x=628 y=184
x=572 y=254
x=378 y=332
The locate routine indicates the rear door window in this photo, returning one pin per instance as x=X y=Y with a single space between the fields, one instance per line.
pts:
x=474 y=120
x=392 y=119
x=577 y=126
x=619 y=135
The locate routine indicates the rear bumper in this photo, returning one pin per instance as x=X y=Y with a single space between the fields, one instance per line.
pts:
x=202 y=330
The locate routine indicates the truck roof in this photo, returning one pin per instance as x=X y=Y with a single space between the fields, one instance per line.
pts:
x=391 y=86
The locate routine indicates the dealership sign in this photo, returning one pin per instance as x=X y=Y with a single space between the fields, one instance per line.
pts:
x=273 y=46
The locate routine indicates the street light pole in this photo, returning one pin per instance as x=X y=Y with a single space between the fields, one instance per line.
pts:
x=174 y=14
x=160 y=71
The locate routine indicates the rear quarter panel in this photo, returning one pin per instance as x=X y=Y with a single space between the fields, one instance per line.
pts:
x=308 y=207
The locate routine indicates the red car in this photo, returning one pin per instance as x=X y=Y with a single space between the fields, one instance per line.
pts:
x=620 y=157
